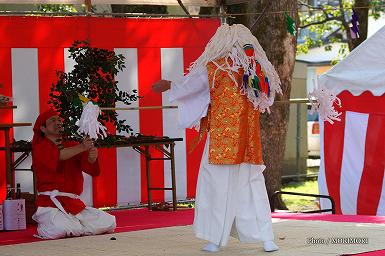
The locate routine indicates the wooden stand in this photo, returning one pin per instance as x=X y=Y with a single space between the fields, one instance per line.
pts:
x=7 y=148
x=166 y=147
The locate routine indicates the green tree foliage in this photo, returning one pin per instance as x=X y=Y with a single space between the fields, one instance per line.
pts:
x=330 y=23
x=150 y=9
x=62 y=8
x=52 y=8
x=92 y=77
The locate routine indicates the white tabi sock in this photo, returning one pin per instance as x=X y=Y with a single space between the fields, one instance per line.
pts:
x=270 y=246
x=210 y=247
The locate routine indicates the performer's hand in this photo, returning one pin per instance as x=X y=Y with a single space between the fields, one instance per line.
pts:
x=87 y=143
x=161 y=86
x=92 y=155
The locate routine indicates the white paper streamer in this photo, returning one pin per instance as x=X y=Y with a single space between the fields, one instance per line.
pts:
x=322 y=100
x=89 y=124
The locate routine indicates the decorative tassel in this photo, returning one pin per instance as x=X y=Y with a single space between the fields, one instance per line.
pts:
x=89 y=124
x=354 y=30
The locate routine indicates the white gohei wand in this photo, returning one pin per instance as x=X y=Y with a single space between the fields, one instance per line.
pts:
x=88 y=122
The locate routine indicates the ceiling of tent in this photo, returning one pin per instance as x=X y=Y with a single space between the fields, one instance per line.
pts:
x=362 y=70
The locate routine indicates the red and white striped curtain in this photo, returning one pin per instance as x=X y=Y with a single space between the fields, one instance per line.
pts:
x=353 y=156
x=33 y=48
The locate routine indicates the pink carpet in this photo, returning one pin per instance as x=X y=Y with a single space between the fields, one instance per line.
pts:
x=140 y=219
x=127 y=220
x=371 y=253
x=330 y=217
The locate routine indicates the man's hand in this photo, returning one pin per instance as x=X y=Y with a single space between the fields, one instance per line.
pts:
x=87 y=143
x=92 y=155
x=161 y=86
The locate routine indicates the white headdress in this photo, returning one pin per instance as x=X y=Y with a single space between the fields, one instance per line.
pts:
x=229 y=41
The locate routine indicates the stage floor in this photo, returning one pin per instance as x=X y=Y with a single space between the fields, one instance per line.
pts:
x=294 y=237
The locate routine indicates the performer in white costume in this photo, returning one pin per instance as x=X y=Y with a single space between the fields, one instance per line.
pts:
x=223 y=94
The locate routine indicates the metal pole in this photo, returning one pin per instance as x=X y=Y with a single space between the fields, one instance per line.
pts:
x=298 y=139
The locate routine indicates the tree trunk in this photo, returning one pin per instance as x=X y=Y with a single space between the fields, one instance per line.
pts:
x=280 y=48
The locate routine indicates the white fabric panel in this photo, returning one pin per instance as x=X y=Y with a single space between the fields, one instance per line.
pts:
x=362 y=70
x=128 y=160
x=381 y=203
x=25 y=91
x=352 y=160
x=86 y=196
x=172 y=69
x=69 y=63
x=322 y=185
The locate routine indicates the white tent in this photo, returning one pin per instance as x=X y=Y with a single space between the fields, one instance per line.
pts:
x=362 y=70
x=353 y=150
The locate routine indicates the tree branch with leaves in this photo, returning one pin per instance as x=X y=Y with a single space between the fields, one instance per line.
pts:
x=92 y=77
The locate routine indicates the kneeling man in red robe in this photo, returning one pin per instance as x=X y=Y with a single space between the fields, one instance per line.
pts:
x=59 y=168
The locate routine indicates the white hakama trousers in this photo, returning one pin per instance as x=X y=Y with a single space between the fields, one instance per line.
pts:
x=54 y=224
x=231 y=199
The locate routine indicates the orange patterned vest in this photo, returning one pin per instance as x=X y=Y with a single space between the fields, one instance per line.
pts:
x=233 y=123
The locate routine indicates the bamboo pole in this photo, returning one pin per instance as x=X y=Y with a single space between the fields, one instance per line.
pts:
x=138 y=108
x=299 y=100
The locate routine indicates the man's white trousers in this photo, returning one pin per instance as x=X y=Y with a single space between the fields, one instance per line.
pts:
x=231 y=199
x=53 y=223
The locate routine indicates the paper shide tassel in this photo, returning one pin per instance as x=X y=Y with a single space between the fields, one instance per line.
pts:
x=322 y=100
x=88 y=122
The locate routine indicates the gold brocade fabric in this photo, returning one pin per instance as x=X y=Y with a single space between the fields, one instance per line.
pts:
x=233 y=123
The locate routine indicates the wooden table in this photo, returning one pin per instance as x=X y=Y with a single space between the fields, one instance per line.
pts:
x=164 y=145
x=7 y=148
x=142 y=145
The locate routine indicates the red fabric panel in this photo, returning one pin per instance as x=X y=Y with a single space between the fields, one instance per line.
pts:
x=116 y=32
x=333 y=151
x=105 y=185
x=151 y=123
x=50 y=60
x=364 y=103
x=193 y=161
x=334 y=141
x=370 y=189
x=193 y=158
x=5 y=114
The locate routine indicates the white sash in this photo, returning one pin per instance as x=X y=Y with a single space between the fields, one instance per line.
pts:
x=54 y=193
